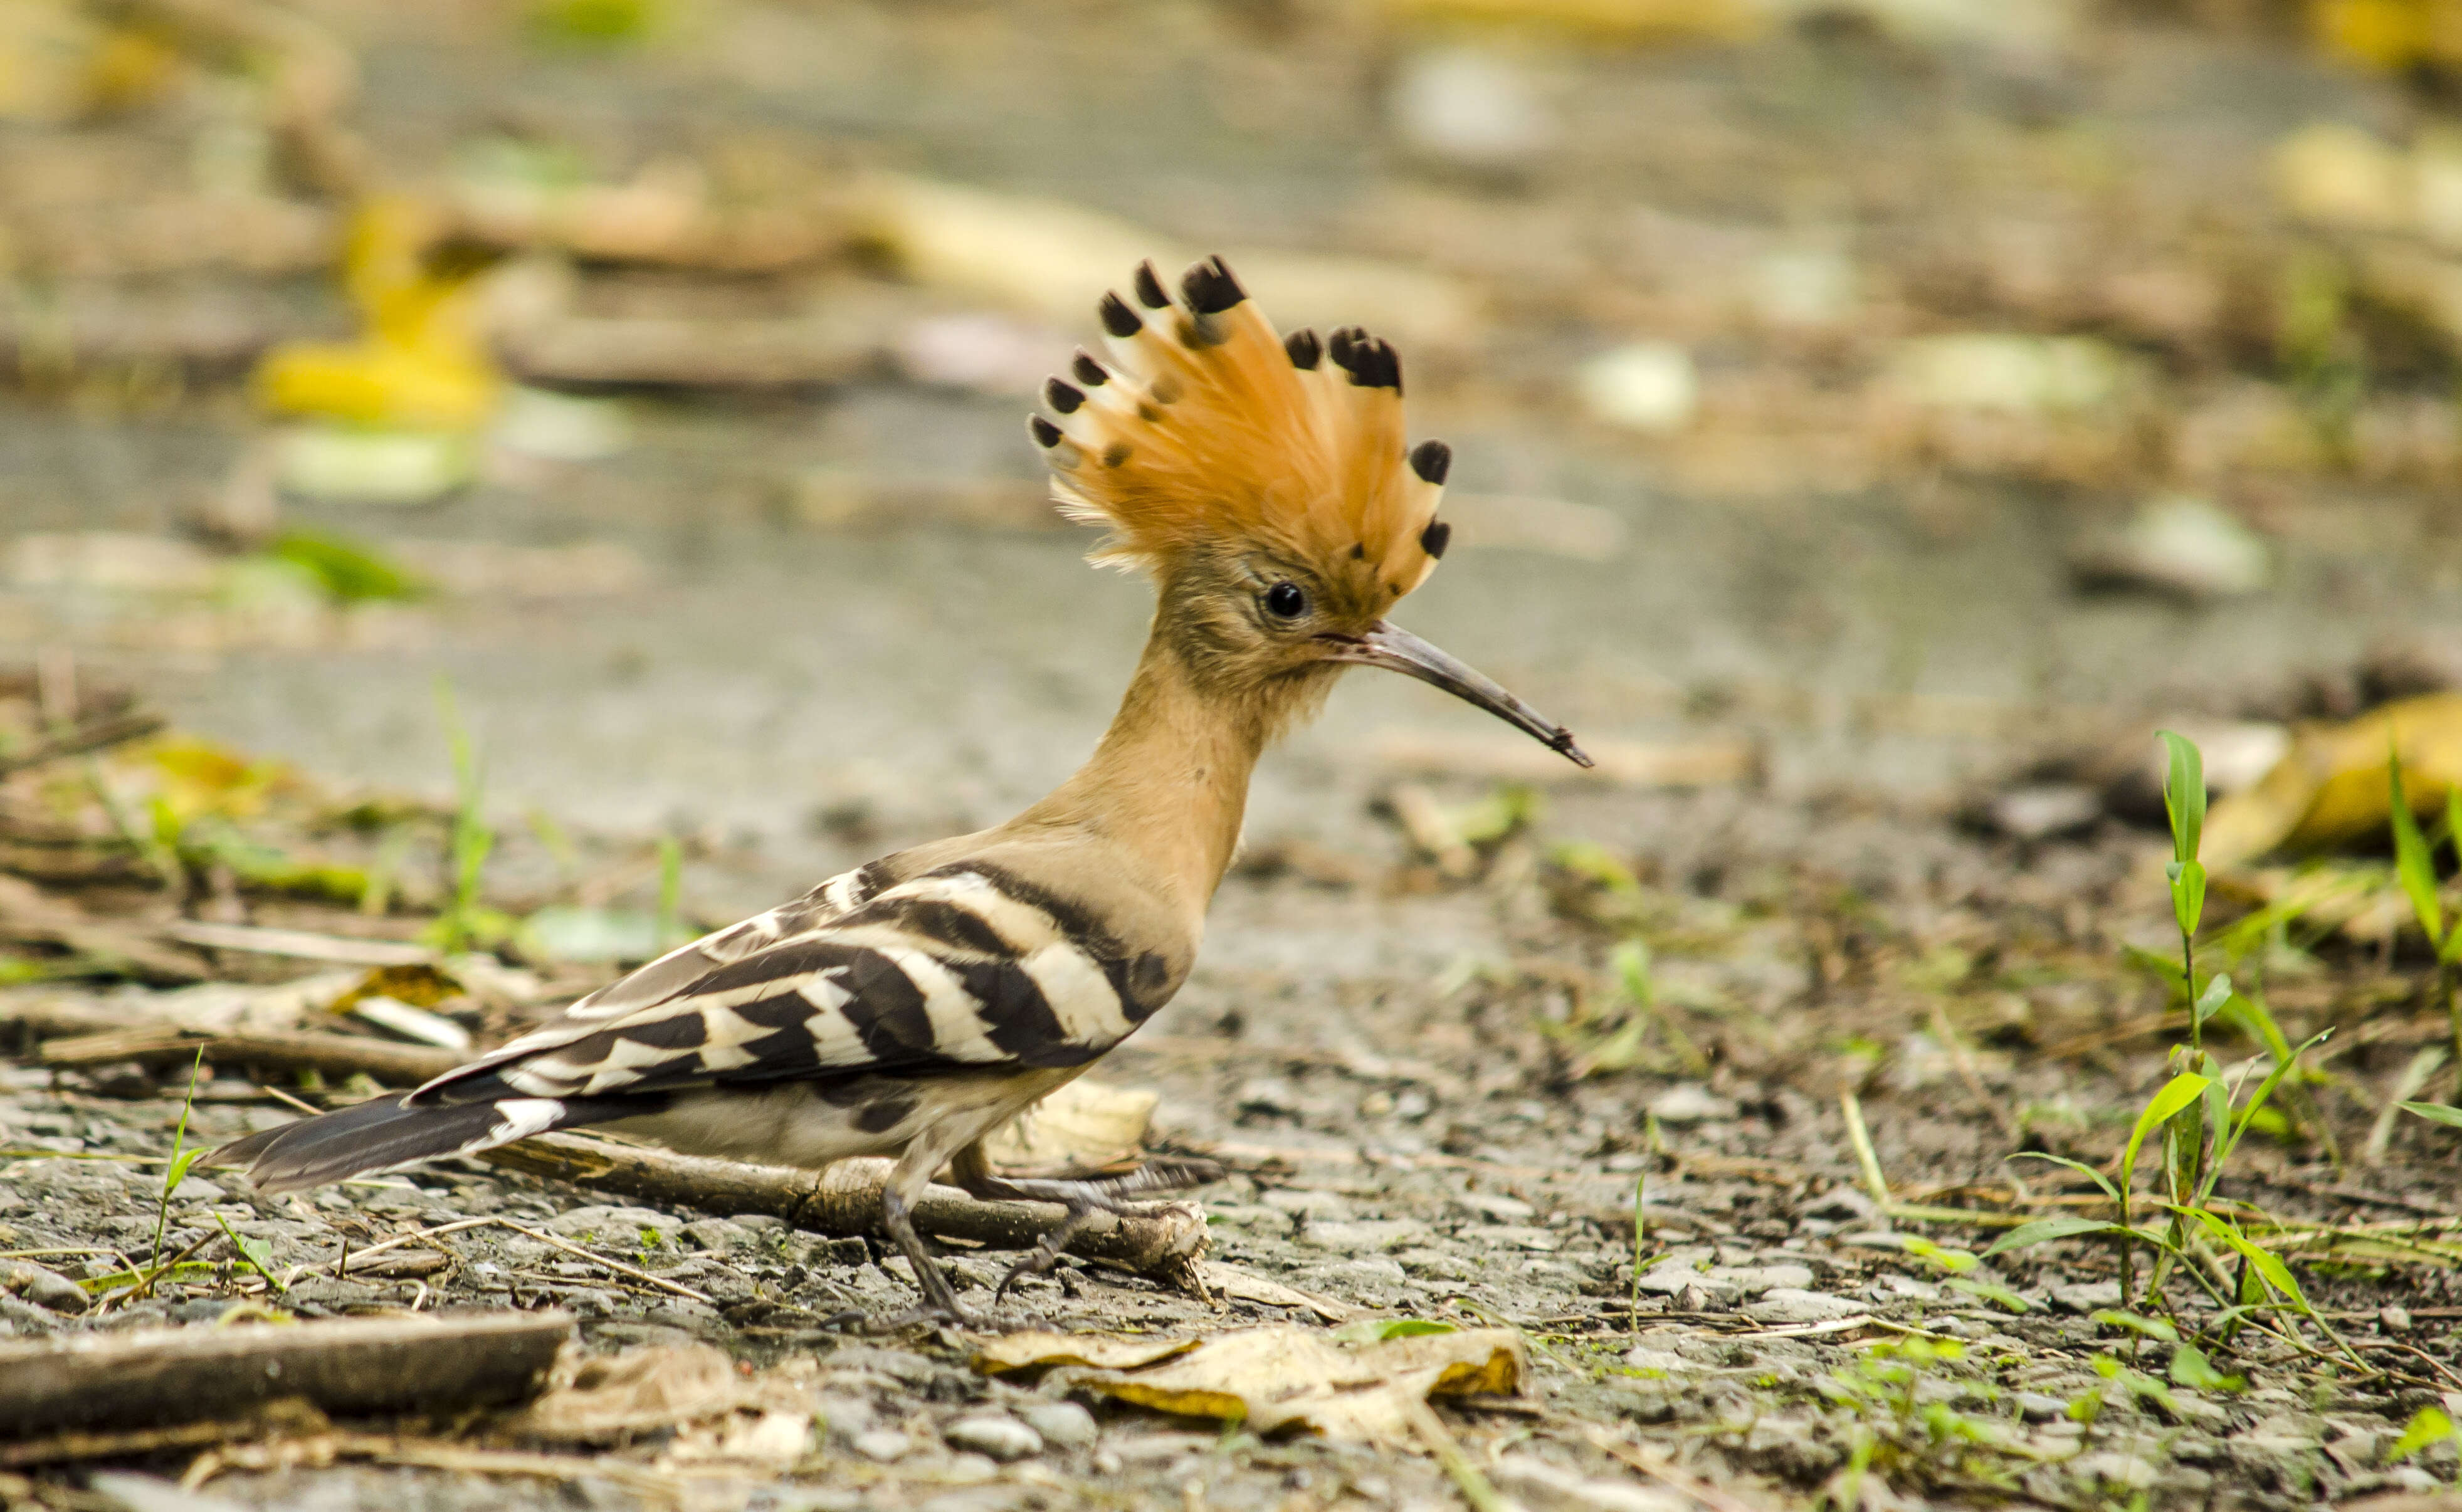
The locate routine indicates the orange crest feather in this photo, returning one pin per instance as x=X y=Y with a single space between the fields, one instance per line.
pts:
x=1206 y=426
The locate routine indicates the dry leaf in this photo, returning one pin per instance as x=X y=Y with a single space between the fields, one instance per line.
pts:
x=1085 y=1125
x=640 y=1390
x=2330 y=790
x=1108 y=1352
x=1282 y=1379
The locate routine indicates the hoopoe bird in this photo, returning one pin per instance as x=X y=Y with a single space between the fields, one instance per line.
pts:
x=912 y=1006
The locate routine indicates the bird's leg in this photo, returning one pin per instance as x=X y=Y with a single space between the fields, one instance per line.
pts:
x=906 y=1182
x=937 y=1294
x=1082 y=1199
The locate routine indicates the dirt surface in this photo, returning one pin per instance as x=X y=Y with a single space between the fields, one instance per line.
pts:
x=1406 y=1141
x=1943 y=313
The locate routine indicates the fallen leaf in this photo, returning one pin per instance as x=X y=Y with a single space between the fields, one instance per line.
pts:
x=1109 y=1351
x=2330 y=789
x=1085 y=1125
x=1289 y=1380
x=636 y=1391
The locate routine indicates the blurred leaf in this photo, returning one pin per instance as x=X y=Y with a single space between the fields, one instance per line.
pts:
x=2436 y=1113
x=349 y=572
x=595 y=24
x=2209 y=1002
x=1957 y=1262
x=2429 y=1427
x=1376 y=1330
x=2079 y=1166
x=2135 y=1322
x=1992 y=1292
x=2190 y=1367
x=2043 y=1230
x=1593 y=862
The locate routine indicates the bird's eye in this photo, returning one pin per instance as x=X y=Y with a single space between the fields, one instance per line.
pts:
x=1284 y=600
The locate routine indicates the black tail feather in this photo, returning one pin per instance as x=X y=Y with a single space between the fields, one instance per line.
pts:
x=382 y=1134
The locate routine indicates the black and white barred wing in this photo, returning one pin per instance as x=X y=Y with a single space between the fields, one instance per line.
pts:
x=965 y=969
x=681 y=969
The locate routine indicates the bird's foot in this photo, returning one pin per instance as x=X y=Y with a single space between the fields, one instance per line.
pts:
x=1086 y=1199
x=875 y=1324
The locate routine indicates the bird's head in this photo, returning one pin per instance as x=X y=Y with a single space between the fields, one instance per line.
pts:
x=1267 y=484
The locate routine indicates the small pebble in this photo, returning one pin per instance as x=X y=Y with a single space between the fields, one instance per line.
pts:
x=45 y=1288
x=995 y=1434
x=2389 y=1320
x=881 y=1444
x=2036 y=1408
x=1792 y=1304
x=1063 y=1423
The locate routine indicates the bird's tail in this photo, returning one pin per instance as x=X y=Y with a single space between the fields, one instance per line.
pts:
x=385 y=1134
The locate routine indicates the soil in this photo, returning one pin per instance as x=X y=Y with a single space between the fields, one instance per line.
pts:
x=1600 y=1077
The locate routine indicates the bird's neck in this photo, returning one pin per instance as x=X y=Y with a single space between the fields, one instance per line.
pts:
x=1169 y=783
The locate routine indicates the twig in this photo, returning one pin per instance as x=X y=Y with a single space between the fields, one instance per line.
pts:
x=1861 y=1139
x=1164 y=1241
x=1466 y=1477
x=616 y=1266
x=298 y=944
x=158 y=1377
x=2415 y=1078
x=1661 y=1469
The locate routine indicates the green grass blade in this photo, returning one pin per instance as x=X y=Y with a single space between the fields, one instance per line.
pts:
x=2079 y=1166
x=2436 y=1113
x=2177 y=1094
x=2184 y=794
x=2043 y=1231
x=2411 y=861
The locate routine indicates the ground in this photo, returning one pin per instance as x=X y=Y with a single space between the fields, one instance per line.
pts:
x=1870 y=424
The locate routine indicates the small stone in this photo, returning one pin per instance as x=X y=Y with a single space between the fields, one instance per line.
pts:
x=718 y=1234
x=1753 y=1280
x=1691 y=1103
x=882 y=1444
x=1470 y=107
x=1645 y=386
x=1063 y=1423
x=45 y=1288
x=997 y=1434
x=1359 y=1236
x=1496 y=1207
x=2036 y=1408
x=969 y=1468
x=845 y=1417
x=618 y=1225
x=2085 y=1296
x=2045 y=810
x=1794 y=1305
x=197 y=1189
x=2111 y=1468
x=2393 y=1319
x=2182 y=546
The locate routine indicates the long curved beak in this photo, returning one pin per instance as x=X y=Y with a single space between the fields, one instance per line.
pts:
x=1390 y=646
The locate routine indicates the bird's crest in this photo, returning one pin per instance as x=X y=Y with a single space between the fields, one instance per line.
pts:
x=1205 y=427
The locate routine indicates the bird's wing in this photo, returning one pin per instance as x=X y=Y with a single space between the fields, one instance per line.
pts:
x=966 y=968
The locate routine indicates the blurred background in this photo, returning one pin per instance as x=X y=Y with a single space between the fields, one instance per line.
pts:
x=1896 y=400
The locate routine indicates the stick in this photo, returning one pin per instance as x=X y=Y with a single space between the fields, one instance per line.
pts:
x=97 y=735
x=299 y=944
x=845 y=1200
x=336 y=1055
x=162 y=1377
